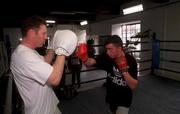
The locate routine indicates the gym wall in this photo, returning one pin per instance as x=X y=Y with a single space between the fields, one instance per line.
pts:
x=164 y=21
x=161 y=19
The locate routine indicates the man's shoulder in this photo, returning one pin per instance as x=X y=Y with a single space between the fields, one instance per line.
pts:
x=130 y=57
x=24 y=54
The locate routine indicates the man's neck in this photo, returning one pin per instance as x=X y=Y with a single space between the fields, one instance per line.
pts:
x=121 y=54
x=27 y=43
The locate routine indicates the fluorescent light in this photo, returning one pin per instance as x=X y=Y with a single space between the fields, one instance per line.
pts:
x=50 y=21
x=133 y=9
x=83 y=23
x=63 y=13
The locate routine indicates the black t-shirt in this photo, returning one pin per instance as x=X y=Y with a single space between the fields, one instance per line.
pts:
x=118 y=92
x=74 y=63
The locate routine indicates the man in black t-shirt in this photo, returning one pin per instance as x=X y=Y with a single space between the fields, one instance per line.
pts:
x=75 y=65
x=122 y=73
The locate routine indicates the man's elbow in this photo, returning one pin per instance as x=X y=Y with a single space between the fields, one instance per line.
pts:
x=134 y=85
x=53 y=82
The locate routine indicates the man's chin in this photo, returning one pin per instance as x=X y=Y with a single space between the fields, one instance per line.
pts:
x=111 y=57
x=39 y=46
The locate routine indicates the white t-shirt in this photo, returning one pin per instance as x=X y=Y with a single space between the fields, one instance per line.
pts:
x=30 y=74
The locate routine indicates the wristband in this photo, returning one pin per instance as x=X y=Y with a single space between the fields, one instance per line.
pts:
x=61 y=51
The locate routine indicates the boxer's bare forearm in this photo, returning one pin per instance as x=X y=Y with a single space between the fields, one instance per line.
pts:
x=131 y=82
x=90 y=62
x=49 y=56
x=58 y=68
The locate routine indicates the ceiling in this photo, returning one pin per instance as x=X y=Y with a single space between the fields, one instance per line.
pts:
x=63 y=11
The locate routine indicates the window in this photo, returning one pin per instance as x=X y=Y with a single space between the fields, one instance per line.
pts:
x=126 y=31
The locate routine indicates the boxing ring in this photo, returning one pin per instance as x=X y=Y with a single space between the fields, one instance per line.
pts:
x=154 y=94
x=158 y=92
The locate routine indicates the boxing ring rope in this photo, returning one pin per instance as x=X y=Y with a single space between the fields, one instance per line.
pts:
x=148 y=60
x=103 y=78
x=154 y=93
x=171 y=61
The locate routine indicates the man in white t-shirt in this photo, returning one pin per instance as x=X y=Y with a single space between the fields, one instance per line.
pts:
x=33 y=74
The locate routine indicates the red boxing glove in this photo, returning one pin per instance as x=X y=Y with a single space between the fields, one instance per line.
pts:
x=82 y=52
x=122 y=63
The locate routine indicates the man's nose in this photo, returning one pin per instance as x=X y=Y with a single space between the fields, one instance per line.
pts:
x=107 y=52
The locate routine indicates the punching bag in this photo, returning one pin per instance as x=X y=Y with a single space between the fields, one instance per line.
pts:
x=155 y=52
x=8 y=48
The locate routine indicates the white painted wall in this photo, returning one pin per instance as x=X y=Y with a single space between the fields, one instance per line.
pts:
x=171 y=32
x=164 y=21
x=14 y=35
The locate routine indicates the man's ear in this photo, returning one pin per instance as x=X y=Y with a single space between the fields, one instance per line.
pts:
x=120 y=49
